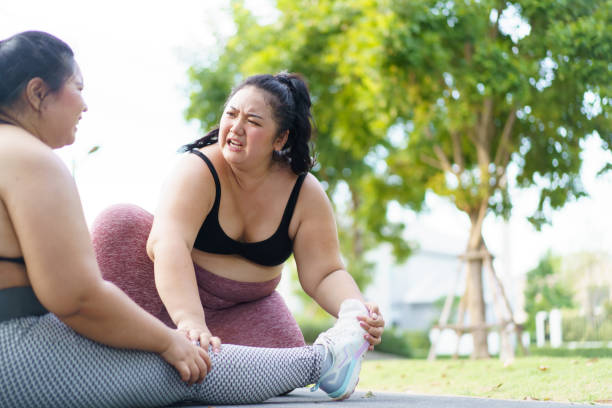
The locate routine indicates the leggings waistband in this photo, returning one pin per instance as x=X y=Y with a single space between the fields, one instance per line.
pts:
x=19 y=302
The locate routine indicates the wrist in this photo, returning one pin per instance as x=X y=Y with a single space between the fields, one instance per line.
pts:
x=191 y=324
x=188 y=317
x=167 y=340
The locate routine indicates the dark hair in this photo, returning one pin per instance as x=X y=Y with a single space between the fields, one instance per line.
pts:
x=290 y=102
x=32 y=54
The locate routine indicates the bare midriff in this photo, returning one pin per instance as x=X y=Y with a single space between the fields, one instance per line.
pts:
x=235 y=267
x=12 y=274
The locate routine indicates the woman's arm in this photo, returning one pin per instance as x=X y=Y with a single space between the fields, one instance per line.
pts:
x=45 y=210
x=317 y=254
x=186 y=198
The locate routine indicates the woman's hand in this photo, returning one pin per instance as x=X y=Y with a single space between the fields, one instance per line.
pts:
x=191 y=362
x=374 y=324
x=199 y=333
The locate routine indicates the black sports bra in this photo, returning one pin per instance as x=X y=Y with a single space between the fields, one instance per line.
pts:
x=270 y=252
x=19 y=260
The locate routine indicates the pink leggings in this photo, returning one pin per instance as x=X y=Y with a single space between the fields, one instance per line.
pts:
x=245 y=313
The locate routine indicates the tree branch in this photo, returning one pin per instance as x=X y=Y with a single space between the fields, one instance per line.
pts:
x=446 y=165
x=468 y=50
x=486 y=118
x=502 y=149
x=432 y=162
x=483 y=140
x=477 y=220
x=457 y=153
x=494 y=31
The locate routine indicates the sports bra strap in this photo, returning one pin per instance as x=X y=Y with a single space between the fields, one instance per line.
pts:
x=292 y=200
x=214 y=173
x=18 y=260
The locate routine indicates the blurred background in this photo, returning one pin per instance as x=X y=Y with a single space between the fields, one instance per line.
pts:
x=444 y=129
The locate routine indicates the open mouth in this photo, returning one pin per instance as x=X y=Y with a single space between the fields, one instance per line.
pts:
x=234 y=143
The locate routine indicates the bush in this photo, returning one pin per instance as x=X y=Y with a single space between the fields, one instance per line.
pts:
x=404 y=343
x=394 y=341
x=580 y=328
x=312 y=328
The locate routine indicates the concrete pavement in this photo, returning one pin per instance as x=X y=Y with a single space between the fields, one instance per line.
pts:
x=302 y=397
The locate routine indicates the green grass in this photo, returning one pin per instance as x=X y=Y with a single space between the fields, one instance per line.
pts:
x=573 y=379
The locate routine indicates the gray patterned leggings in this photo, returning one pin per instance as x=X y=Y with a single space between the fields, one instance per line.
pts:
x=44 y=363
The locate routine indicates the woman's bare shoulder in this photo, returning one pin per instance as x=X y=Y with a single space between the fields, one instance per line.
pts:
x=25 y=159
x=313 y=188
x=213 y=153
x=28 y=167
x=312 y=199
x=190 y=168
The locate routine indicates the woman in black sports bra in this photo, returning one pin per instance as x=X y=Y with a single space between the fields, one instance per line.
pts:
x=238 y=204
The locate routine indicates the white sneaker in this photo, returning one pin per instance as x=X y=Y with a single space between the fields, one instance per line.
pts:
x=347 y=346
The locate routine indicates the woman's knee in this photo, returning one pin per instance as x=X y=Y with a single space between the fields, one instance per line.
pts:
x=119 y=236
x=120 y=224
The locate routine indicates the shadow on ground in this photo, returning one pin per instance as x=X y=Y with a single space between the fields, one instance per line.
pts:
x=304 y=398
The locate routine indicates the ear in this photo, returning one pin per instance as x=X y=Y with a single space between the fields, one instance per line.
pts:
x=35 y=92
x=280 y=141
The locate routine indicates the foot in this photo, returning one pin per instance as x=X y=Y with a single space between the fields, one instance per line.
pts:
x=346 y=344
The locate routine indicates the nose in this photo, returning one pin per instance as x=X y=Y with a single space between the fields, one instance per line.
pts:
x=237 y=126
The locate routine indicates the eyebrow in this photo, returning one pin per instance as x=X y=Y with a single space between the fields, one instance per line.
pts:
x=248 y=114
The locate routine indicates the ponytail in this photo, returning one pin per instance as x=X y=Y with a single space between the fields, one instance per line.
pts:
x=297 y=147
x=210 y=138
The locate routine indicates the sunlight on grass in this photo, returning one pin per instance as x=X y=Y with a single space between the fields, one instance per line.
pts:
x=542 y=378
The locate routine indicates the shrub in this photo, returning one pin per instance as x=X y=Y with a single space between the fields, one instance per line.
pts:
x=403 y=343
x=394 y=341
x=312 y=328
x=580 y=328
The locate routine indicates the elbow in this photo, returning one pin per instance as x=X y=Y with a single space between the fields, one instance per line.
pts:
x=312 y=287
x=151 y=244
x=310 y=291
x=80 y=304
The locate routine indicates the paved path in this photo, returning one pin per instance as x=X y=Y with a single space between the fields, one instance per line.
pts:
x=304 y=398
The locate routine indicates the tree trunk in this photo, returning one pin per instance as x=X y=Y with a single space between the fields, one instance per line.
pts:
x=474 y=288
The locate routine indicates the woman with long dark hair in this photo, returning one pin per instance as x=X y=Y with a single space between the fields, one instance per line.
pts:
x=240 y=202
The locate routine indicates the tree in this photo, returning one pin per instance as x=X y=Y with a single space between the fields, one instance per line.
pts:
x=412 y=96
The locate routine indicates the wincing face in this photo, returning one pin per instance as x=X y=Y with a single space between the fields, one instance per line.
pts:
x=61 y=112
x=248 y=131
